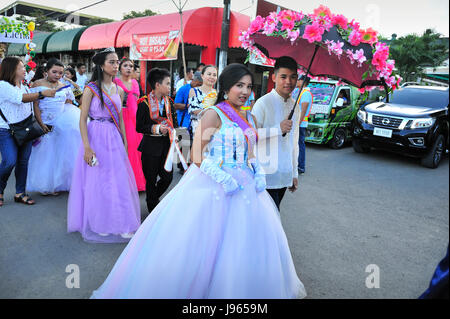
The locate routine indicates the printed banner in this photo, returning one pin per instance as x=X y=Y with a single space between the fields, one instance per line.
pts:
x=258 y=58
x=161 y=46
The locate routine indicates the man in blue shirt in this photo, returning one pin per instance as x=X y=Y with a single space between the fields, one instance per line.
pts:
x=305 y=103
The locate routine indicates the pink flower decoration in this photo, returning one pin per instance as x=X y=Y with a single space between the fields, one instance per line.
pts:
x=340 y=20
x=269 y=28
x=359 y=57
x=369 y=36
x=322 y=11
x=354 y=25
x=313 y=32
x=324 y=21
x=337 y=48
x=362 y=90
x=293 y=35
x=256 y=25
x=355 y=38
x=287 y=24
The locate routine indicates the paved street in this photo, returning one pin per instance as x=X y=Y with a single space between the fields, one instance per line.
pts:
x=352 y=210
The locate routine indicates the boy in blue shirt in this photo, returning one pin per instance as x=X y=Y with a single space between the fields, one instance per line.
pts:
x=305 y=103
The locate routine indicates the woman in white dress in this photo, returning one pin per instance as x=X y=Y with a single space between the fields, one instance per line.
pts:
x=218 y=233
x=53 y=156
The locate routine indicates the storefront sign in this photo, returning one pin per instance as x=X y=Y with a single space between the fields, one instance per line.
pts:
x=155 y=46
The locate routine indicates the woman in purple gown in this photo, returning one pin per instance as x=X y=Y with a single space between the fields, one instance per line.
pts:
x=103 y=201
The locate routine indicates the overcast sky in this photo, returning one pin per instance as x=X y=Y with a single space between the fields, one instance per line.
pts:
x=386 y=16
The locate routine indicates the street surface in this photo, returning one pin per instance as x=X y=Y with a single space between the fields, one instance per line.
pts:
x=351 y=211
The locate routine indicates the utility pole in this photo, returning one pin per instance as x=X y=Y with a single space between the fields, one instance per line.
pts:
x=180 y=11
x=223 y=56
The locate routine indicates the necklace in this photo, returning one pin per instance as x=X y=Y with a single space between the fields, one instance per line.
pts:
x=108 y=89
x=51 y=86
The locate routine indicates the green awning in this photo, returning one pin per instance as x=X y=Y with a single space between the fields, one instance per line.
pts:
x=439 y=76
x=41 y=39
x=16 y=49
x=65 y=40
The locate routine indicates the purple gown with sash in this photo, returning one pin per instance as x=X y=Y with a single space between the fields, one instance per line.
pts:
x=104 y=198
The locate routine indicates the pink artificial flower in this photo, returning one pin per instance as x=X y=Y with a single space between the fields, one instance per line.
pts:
x=297 y=16
x=313 y=32
x=293 y=35
x=359 y=57
x=340 y=20
x=369 y=36
x=380 y=56
x=256 y=25
x=355 y=38
x=287 y=24
x=269 y=27
x=337 y=48
x=324 y=22
x=322 y=11
x=350 y=54
x=362 y=90
x=354 y=25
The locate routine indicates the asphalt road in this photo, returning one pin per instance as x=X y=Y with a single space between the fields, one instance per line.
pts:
x=351 y=211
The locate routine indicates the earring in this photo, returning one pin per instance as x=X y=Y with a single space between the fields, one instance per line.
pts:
x=225 y=96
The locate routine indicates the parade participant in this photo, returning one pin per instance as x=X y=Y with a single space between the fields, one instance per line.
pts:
x=305 y=102
x=200 y=67
x=181 y=105
x=53 y=156
x=137 y=77
x=103 y=200
x=271 y=112
x=155 y=118
x=15 y=106
x=217 y=234
x=204 y=96
x=129 y=108
x=70 y=78
x=183 y=81
x=81 y=76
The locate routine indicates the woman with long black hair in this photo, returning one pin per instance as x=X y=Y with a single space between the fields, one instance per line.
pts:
x=15 y=106
x=103 y=201
x=53 y=156
x=218 y=233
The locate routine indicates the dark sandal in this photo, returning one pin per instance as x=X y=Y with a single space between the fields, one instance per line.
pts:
x=20 y=199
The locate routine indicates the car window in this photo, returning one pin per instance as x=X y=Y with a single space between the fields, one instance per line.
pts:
x=345 y=94
x=322 y=92
x=420 y=97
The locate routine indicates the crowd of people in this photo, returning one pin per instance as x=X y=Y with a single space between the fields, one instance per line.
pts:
x=217 y=233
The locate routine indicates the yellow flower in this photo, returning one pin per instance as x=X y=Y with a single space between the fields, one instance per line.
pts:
x=31 y=26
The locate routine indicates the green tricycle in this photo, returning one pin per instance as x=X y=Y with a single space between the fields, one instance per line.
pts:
x=332 y=112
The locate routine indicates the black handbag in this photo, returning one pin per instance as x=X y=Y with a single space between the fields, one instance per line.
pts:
x=25 y=130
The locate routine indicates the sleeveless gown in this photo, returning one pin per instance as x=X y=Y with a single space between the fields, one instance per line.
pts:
x=103 y=199
x=52 y=158
x=200 y=243
x=133 y=138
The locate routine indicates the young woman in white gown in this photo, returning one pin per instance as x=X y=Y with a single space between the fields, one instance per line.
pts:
x=53 y=156
x=218 y=233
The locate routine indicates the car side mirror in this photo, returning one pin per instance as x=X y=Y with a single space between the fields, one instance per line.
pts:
x=339 y=102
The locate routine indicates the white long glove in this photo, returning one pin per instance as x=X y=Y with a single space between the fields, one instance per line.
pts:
x=260 y=177
x=212 y=168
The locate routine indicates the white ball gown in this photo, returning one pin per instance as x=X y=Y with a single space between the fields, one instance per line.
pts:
x=52 y=158
x=200 y=242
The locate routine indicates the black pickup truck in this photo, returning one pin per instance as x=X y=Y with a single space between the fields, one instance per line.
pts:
x=414 y=123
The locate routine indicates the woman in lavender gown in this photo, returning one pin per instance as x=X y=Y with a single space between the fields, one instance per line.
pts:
x=218 y=233
x=103 y=201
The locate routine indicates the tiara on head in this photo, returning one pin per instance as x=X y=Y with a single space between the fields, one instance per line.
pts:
x=110 y=49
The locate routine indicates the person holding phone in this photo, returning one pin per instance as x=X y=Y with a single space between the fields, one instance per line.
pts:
x=103 y=200
x=53 y=156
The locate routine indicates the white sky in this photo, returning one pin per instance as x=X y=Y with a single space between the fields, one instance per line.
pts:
x=385 y=16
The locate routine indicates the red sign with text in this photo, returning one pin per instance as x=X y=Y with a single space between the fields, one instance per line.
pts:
x=161 y=46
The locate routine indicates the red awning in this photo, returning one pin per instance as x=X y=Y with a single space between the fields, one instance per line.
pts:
x=201 y=27
x=100 y=36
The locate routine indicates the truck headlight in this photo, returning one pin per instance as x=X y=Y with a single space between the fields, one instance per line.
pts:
x=422 y=123
x=362 y=115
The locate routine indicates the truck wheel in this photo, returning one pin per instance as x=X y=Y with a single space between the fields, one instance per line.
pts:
x=433 y=158
x=358 y=147
x=338 y=139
